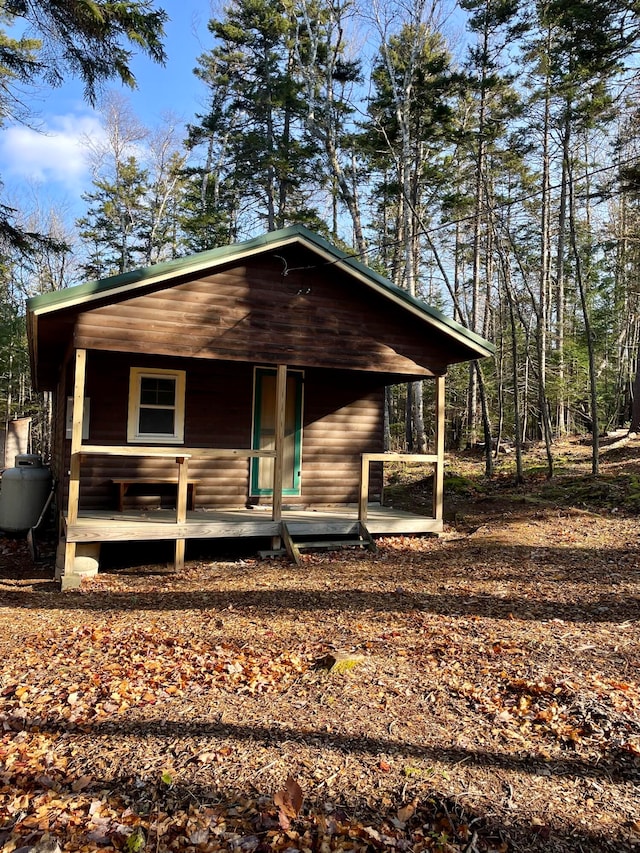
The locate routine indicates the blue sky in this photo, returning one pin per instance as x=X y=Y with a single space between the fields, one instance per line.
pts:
x=45 y=165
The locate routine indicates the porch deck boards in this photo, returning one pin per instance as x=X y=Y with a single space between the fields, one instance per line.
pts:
x=109 y=526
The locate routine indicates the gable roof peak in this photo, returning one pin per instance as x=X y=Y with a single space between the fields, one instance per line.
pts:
x=126 y=284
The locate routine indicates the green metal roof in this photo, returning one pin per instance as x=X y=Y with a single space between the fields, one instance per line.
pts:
x=127 y=283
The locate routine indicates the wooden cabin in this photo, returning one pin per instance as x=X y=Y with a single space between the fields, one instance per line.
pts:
x=235 y=393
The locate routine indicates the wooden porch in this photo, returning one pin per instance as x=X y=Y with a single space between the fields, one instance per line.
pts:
x=297 y=530
x=82 y=527
x=105 y=526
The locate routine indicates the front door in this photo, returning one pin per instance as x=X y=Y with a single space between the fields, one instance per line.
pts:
x=264 y=430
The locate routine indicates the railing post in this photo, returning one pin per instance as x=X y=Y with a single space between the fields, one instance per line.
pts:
x=183 y=479
x=181 y=507
x=80 y=368
x=438 y=474
x=278 y=465
x=363 y=500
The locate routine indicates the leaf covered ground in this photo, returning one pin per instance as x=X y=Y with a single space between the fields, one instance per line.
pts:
x=490 y=701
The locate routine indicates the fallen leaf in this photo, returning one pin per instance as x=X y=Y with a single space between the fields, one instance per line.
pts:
x=81 y=783
x=136 y=842
x=289 y=802
x=406 y=812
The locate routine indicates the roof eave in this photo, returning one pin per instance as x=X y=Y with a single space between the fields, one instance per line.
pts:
x=147 y=276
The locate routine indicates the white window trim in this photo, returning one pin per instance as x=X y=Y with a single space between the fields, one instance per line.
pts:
x=135 y=376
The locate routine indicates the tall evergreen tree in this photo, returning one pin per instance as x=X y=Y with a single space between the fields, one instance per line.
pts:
x=256 y=114
x=113 y=223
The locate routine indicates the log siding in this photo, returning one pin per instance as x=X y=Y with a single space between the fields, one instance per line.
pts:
x=254 y=314
x=342 y=418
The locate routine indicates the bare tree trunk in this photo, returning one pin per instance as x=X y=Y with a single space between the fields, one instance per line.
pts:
x=517 y=427
x=486 y=421
x=480 y=183
x=409 y=418
x=418 y=417
x=562 y=424
x=501 y=393
x=593 y=388
x=635 y=406
x=387 y=418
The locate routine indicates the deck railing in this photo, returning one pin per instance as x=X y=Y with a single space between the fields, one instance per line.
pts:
x=181 y=455
x=438 y=478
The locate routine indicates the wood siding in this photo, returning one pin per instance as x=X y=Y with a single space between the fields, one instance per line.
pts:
x=342 y=418
x=59 y=446
x=264 y=311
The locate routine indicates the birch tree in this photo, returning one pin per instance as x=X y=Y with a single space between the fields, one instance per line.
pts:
x=329 y=75
x=493 y=102
x=409 y=114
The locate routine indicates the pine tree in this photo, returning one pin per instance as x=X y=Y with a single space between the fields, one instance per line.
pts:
x=256 y=111
x=113 y=223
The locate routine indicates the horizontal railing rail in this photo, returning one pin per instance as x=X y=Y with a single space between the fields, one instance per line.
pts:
x=171 y=451
x=368 y=458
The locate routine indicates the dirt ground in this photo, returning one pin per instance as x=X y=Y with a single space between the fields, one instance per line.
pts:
x=473 y=692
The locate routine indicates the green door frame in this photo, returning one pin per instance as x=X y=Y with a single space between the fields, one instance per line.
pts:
x=296 y=428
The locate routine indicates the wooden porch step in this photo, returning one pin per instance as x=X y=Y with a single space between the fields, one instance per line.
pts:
x=330 y=545
x=292 y=546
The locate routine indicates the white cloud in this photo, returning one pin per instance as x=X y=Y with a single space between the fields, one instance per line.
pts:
x=57 y=153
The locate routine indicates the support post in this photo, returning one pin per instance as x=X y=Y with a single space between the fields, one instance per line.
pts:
x=76 y=434
x=363 y=500
x=181 y=507
x=80 y=368
x=290 y=546
x=438 y=474
x=278 y=466
x=179 y=557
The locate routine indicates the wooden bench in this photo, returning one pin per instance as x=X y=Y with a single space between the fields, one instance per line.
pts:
x=124 y=483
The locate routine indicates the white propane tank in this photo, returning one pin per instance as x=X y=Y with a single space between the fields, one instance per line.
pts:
x=23 y=493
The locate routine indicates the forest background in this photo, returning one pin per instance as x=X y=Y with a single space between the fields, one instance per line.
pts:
x=500 y=182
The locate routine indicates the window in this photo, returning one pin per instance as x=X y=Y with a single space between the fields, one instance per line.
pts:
x=156 y=405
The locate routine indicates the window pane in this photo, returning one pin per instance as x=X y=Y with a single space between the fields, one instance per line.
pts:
x=156 y=422
x=157 y=392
